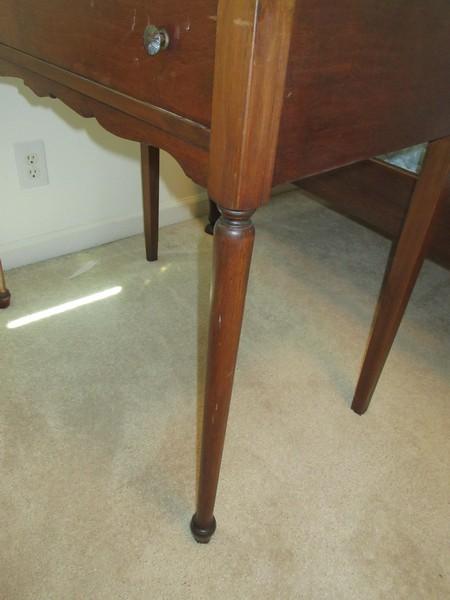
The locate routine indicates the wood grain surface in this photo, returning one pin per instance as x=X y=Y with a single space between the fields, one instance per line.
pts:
x=364 y=78
x=103 y=41
x=404 y=267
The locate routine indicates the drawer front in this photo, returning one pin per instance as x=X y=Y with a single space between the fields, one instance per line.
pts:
x=103 y=41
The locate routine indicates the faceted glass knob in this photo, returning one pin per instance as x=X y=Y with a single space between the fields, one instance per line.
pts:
x=155 y=40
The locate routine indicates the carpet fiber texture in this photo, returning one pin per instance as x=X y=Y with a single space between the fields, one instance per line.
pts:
x=99 y=425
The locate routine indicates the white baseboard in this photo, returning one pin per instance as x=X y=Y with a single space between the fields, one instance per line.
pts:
x=75 y=239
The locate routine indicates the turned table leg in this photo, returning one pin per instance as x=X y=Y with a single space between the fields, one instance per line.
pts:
x=5 y=296
x=150 y=192
x=233 y=244
x=403 y=269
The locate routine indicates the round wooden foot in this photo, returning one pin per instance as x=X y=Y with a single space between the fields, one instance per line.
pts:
x=202 y=536
x=5 y=299
x=359 y=408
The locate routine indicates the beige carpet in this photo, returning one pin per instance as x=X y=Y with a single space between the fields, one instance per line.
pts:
x=98 y=425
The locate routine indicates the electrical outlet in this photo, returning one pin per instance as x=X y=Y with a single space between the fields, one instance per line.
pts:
x=31 y=164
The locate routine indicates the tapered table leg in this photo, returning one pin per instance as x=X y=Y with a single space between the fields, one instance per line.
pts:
x=5 y=296
x=213 y=217
x=403 y=269
x=233 y=244
x=150 y=192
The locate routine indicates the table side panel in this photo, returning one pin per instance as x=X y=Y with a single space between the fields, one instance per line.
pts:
x=364 y=78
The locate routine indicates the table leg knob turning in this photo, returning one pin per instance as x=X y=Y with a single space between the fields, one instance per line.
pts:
x=202 y=535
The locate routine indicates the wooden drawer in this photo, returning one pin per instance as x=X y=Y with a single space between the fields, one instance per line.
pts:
x=103 y=41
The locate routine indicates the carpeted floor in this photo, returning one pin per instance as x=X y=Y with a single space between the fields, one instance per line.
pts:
x=99 y=432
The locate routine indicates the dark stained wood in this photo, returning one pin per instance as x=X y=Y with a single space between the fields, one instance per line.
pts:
x=361 y=77
x=189 y=145
x=253 y=39
x=150 y=196
x=404 y=267
x=5 y=296
x=178 y=126
x=377 y=195
x=251 y=56
x=439 y=249
x=103 y=41
x=5 y=299
x=372 y=193
x=364 y=78
x=233 y=245
x=213 y=217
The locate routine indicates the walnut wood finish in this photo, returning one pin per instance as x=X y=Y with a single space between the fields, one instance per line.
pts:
x=365 y=77
x=233 y=245
x=5 y=296
x=150 y=195
x=388 y=91
x=253 y=40
x=122 y=115
x=377 y=195
x=404 y=267
x=249 y=58
x=103 y=41
x=361 y=77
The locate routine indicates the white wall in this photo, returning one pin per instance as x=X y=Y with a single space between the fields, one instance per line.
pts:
x=95 y=193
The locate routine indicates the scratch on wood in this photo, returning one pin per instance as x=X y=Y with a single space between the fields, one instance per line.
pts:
x=213 y=17
x=242 y=23
x=133 y=26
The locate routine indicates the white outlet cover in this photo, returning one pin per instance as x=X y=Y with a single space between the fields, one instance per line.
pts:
x=31 y=164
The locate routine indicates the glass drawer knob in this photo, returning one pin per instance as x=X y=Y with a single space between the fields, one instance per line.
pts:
x=155 y=40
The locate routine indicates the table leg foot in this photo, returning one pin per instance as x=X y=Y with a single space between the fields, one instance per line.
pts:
x=5 y=299
x=202 y=535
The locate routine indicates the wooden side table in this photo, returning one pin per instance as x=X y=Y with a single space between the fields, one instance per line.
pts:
x=247 y=94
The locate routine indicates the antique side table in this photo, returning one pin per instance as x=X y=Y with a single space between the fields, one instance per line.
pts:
x=247 y=94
